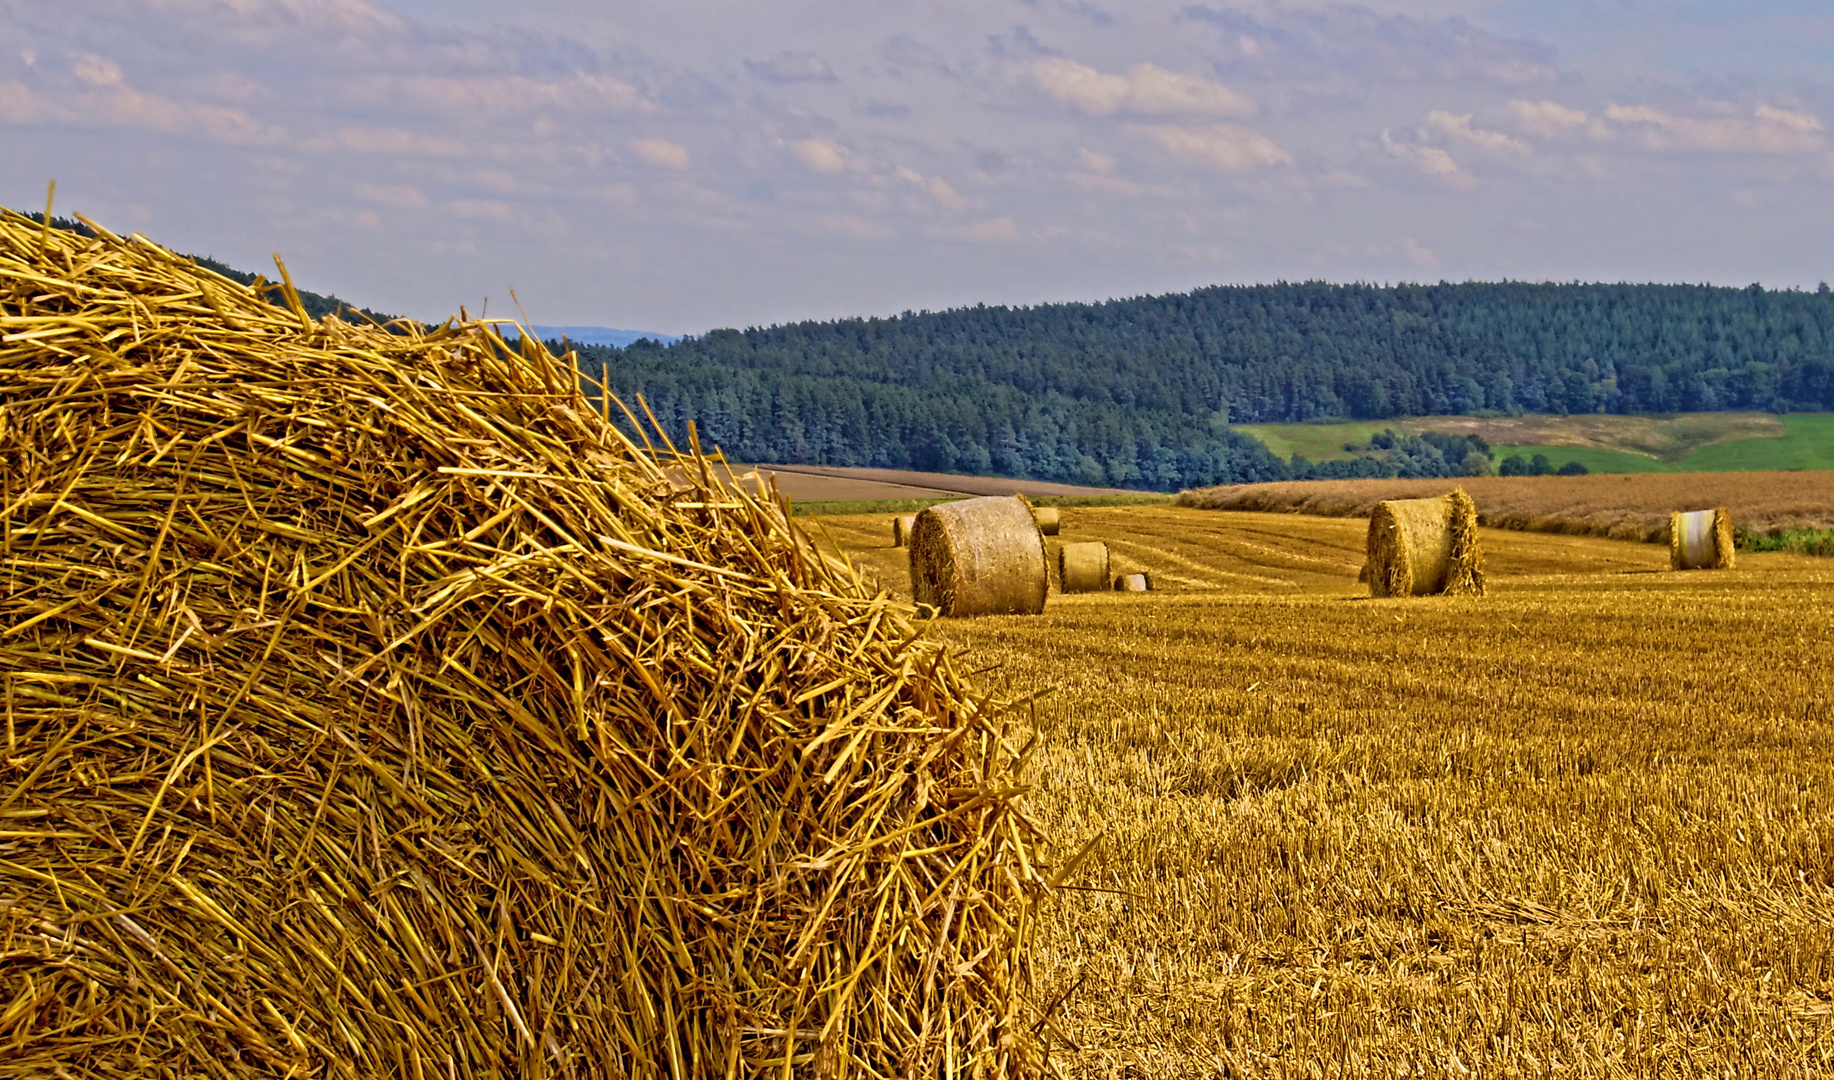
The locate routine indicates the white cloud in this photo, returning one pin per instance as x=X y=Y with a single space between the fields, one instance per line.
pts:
x=1225 y=146
x=820 y=155
x=97 y=72
x=792 y=67
x=662 y=153
x=399 y=196
x=1548 y=119
x=481 y=210
x=935 y=186
x=1351 y=44
x=594 y=93
x=1418 y=254
x=1458 y=128
x=1095 y=161
x=1000 y=229
x=1768 y=130
x=113 y=104
x=1429 y=160
x=1145 y=90
x=395 y=142
x=769 y=138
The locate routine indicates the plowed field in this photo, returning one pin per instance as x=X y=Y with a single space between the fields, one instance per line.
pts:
x=1582 y=826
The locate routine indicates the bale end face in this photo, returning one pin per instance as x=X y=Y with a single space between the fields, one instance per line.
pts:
x=1425 y=547
x=979 y=557
x=1701 y=540
x=512 y=701
x=1082 y=567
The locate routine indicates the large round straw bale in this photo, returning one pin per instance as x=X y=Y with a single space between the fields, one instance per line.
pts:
x=1083 y=566
x=1133 y=583
x=1701 y=540
x=1425 y=547
x=1048 y=519
x=375 y=708
x=979 y=557
x=901 y=529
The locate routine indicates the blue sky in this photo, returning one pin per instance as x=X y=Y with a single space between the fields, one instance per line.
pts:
x=677 y=166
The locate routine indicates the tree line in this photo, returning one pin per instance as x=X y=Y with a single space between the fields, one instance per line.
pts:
x=1143 y=392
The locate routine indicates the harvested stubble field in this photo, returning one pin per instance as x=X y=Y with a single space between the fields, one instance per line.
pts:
x=1580 y=827
x=1621 y=507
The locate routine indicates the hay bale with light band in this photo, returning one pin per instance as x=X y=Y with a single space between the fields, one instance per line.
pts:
x=1425 y=547
x=1133 y=583
x=901 y=529
x=379 y=709
x=979 y=557
x=1082 y=567
x=1049 y=520
x=1701 y=540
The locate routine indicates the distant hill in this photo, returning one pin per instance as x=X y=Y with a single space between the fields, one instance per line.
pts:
x=1143 y=392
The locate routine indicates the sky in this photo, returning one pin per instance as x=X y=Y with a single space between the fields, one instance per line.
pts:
x=683 y=165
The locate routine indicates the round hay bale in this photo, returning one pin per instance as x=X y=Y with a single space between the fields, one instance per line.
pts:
x=1083 y=567
x=979 y=557
x=1701 y=540
x=1048 y=519
x=375 y=708
x=901 y=529
x=1425 y=547
x=1133 y=583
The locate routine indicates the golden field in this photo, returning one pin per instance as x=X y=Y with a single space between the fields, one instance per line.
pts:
x=1621 y=507
x=1580 y=827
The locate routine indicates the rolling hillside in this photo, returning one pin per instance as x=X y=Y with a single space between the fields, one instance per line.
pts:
x=1686 y=442
x=1142 y=392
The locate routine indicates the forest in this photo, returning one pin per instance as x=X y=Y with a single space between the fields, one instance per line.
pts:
x=1142 y=392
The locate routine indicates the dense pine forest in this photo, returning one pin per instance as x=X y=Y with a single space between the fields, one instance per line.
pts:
x=1141 y=392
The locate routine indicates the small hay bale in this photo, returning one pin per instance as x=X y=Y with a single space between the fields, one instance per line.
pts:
x=1048 y=519
x=1425 y=547
x=376 y=708
x=1701 y=540
x=901 y=529
x=1083 y=567
x=1133 y=583
x=979 y=557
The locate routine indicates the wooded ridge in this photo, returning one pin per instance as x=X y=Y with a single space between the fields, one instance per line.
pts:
x=1141 y=392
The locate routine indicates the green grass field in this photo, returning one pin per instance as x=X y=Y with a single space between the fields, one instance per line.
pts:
x=1593 y=458
x=1809 y=445
x=1694 y=442
x=1316 y=442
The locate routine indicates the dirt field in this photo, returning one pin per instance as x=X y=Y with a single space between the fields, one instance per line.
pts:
x=1579 y=827
x=1624 y=507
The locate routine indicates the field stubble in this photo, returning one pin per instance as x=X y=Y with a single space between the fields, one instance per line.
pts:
x=1621 y=507
x=1578 y=827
